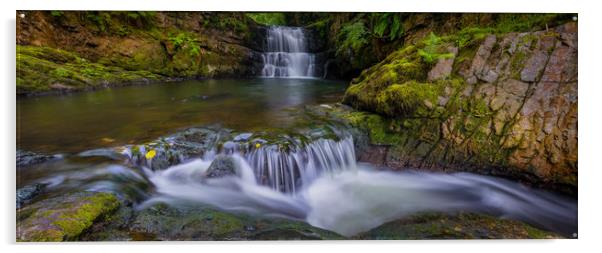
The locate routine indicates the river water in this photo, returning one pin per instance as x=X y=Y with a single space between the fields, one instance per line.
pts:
x=110 y=117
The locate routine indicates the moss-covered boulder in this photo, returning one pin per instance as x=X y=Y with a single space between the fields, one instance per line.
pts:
x=63 y=218
x=454 y=226
x=164 y=222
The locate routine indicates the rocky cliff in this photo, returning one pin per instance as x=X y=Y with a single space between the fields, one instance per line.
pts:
x=495 y=103
x=62 y=50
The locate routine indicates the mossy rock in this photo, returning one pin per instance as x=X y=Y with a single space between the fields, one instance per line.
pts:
x=454 y=226
x=47 y=70
x=65 y=217
x=195 y=222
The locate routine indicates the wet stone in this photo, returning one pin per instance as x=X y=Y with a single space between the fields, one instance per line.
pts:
x=222 y=166
x=26 y=193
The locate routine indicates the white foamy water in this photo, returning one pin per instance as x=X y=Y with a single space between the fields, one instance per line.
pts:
x=322 y=185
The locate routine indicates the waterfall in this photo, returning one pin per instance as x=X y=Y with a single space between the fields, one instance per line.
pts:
x=287 y=171
x=286 y=54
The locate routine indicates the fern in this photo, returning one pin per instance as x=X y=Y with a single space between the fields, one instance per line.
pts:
x=432 y=50
x=353 y=36
x=184 y=41
x=386 y=26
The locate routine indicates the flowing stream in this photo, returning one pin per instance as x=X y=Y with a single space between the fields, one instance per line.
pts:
x=286 y=54
x=339 y=195
x=318 y=182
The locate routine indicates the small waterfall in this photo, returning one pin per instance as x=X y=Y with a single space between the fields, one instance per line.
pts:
x=286 y=54
x=288 y=171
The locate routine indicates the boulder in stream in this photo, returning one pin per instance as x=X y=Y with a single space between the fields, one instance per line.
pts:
x=65 y=217
x=222 y=166
x=433 y=225
x=28 y=192
x=25 y=158
x=201 y=223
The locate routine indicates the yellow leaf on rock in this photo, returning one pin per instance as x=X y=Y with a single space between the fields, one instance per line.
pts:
x=150 y=154
x=107 y=139
x=257 y=145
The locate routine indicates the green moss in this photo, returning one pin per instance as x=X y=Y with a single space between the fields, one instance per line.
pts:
x=401 y=66
x=517 y=63
x=73 y=223
x=404 y=99
x=457 y=226
x=470 y=36
x=65 y=217
x=225 y=223
x=38 y=68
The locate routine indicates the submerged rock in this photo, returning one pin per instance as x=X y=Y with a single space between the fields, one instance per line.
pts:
x=222 y=166
x=65 y=217
x=103 y=152
x=177 y=148
x=28 y=192
x=243 y=137
x=25 y=158
x=456 y=226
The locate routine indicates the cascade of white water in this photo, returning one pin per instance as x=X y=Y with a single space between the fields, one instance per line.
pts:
x=287 y=171
x=286 y=54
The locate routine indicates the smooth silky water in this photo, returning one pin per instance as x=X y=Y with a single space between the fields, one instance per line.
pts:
x=286 y=54
x=110 y=117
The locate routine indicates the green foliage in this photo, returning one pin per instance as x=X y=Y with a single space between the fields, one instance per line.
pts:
x=140 y=18
x=526 y=22
x=229 y=21
x=321 y=26
x=268 y=18
x=356 y=35
x=185 y=41
x=432 y=50
x=386 y=26
x=101 y=19
x=353 y=37
x=56 y=13
x=505 y=23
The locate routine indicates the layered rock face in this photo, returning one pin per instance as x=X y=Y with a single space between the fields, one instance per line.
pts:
x=501 y=104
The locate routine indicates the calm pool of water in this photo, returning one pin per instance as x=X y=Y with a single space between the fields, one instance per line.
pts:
x=111 y=117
